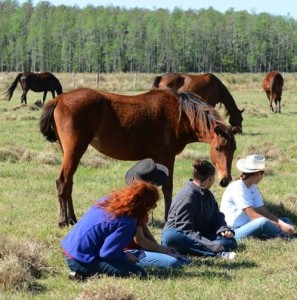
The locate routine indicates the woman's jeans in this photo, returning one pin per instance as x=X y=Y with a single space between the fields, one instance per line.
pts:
x=261 y=228
x=160 y=260
x=118 y=268
x=176 y=238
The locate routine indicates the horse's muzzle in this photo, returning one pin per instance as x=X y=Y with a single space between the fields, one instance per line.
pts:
x=224 y=182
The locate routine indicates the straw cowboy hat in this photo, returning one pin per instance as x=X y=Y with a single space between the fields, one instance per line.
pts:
x=147 y=170
x=251 y=164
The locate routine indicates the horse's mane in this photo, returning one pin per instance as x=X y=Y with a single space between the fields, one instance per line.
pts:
x=199 y=113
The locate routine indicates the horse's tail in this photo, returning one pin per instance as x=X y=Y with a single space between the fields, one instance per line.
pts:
x=47 y=121
x=276 y=86
x=9 y=92
x=156 y=81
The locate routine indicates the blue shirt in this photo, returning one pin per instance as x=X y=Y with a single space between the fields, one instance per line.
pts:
x=98 y=234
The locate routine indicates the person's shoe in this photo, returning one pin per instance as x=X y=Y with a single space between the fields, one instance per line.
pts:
x=227 y=255
x=75 y=276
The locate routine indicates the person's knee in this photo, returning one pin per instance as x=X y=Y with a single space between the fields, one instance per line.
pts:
x=168 y=238
x=262 y=222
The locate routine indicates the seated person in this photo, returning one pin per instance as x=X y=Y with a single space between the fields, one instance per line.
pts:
x=243 y=206
x=150 y=253
x=195 y=224
x=95 y=245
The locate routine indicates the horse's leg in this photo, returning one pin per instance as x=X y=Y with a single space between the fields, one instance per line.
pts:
x=271 y=104
x=73 y=150
x=24 y=96
x=275 y=106
x=44 y=96
x=53 y=94
x=167 y=187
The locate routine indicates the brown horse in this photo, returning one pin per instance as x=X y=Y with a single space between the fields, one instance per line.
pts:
x=208 y=86
x=273 y=87
x=157 y=124
x=37 y=82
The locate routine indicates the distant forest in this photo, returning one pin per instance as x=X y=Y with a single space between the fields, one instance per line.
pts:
x=110 y=39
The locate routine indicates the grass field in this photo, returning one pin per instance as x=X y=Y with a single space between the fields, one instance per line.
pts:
x=31 y=263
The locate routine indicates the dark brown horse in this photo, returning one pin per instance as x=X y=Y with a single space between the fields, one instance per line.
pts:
x=208 y=86
x=37 y=82
x=273 y=87
x=157 y=124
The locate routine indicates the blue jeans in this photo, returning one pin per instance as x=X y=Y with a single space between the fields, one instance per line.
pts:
x=176 y=238
x=117 y=268
x=160 y=260
x=260 y=227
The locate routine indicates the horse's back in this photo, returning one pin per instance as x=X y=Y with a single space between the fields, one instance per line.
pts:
x=90 y=103
x=273 y=82
x=120 y=126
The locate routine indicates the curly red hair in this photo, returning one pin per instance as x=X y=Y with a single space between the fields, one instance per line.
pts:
x=135 y=200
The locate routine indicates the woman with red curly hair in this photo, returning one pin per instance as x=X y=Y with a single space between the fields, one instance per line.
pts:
x=96 y=243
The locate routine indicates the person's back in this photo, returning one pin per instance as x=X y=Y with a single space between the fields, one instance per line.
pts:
x=195 y=224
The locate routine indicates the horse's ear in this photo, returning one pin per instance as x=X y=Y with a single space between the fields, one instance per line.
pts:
x=236 y=129
x=242 y=110
x=219 y=130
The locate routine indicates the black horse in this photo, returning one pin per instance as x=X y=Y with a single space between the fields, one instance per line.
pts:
x=37 y=82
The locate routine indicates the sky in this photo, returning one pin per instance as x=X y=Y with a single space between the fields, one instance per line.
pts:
x=273 y=7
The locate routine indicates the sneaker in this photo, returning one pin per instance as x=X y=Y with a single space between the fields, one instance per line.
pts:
x=227 y=255
x=75 y=276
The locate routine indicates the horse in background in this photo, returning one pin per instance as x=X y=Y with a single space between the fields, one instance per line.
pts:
x=37 y=82
x=156 y=124
x=208 y=86
x=272 y=85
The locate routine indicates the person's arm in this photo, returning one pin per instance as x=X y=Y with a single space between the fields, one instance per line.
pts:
x=145 y=239
x=220 y=224
x=262 y=211
x=186 y=214
x=147 y=233
x=284 y=227
x=115 y=242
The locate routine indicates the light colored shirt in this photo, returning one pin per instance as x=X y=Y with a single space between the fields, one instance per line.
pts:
x=237 y=197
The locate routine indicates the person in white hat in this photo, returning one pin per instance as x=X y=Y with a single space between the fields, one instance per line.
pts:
x=243 y=206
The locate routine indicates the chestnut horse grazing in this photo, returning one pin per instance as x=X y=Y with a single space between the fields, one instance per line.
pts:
x=208 y=86
x=273 y=87
x=156 y=124
x=37 y=82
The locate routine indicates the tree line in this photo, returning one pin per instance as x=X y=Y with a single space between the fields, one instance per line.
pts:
x=109 y=39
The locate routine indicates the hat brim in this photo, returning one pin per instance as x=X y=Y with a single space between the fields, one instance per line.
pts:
x=241 y=166
x=162 y=175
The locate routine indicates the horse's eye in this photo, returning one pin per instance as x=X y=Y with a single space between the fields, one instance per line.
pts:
x=219 y=149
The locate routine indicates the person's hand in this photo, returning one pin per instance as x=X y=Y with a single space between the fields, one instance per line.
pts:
x=285 y=227
x=227 y=234
x=132 y=257
x=220 y=248
x=168 y=250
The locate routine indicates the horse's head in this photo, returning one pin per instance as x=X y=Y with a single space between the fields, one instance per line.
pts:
x=222 y=149
x=58 y=87
x=236 y=119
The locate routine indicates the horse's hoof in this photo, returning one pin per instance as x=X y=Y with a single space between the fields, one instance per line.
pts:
x=62 y=224
x=72 y=221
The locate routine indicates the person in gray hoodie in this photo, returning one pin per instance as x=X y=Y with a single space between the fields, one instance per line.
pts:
x=195 y=224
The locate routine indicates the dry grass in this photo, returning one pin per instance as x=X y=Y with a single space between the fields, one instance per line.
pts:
x=110 y=292
x=21 y=261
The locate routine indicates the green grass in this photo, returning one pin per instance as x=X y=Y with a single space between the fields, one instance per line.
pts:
x=28 y=202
